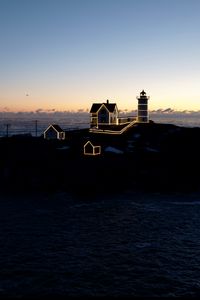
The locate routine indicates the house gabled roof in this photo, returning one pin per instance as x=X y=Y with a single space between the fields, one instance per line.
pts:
x=93 y=150
x=90 y=143
x=56 y=127
x=96 y=106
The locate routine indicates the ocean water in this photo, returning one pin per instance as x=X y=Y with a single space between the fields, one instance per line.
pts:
x=13 y=124
x=139 y=245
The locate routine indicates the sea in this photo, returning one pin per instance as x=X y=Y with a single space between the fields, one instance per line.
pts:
x=35 y=123
x=125 y=245
x=131 y=244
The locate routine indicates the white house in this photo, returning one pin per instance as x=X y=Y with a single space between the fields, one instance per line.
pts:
x=90 y=149
x=54 y=132
x=103 y=114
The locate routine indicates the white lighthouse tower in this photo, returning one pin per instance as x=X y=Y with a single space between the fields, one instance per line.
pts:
x=143 y=114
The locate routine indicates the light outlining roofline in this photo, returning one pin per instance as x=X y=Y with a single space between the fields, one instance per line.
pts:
x=93 y=148
x=104 y=131
x=57 y=132
x=53 y=128
x=101 y=107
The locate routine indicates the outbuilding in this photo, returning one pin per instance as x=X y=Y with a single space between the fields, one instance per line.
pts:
x=53 y=132
x=90 y=149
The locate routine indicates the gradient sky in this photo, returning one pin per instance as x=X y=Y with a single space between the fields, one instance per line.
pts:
x=66 y=54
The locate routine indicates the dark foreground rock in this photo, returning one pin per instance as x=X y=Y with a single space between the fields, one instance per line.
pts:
x=156 y=157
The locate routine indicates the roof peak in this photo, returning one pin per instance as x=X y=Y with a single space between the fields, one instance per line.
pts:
x=96 y=106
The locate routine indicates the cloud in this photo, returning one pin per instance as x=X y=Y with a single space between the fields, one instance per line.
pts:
x=167 y=110
x=52 y=113
x=39 y=110
x=51 y=110
x=5 y=108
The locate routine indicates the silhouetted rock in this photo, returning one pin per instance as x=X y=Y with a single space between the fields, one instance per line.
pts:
x=153 y=157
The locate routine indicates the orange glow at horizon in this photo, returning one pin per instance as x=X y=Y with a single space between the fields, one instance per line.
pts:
x=71 y=54
x=30 y=101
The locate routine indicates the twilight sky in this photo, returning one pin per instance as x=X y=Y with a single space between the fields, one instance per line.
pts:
x=66 y=54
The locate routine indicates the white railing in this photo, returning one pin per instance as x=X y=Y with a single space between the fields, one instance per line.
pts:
x=106 y=131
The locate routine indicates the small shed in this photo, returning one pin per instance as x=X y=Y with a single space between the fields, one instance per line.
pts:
x=53 y=132
x=90 y=149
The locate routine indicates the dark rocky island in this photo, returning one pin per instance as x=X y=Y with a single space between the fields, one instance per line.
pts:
x=123 y=224
x=154 y=158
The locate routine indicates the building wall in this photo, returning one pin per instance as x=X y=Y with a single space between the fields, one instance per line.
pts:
x=50 y=134
x=113 y=117
x=88 y=149
x=61 y=135
x=103 y=116
x=97 y=150
x=93 y=120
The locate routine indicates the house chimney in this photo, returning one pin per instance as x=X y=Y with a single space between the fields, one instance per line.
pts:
x=107 y=101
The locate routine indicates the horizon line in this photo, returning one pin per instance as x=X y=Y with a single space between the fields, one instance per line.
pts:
x=86 y=111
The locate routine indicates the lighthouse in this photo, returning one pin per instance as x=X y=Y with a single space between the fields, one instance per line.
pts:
x=143 y=114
